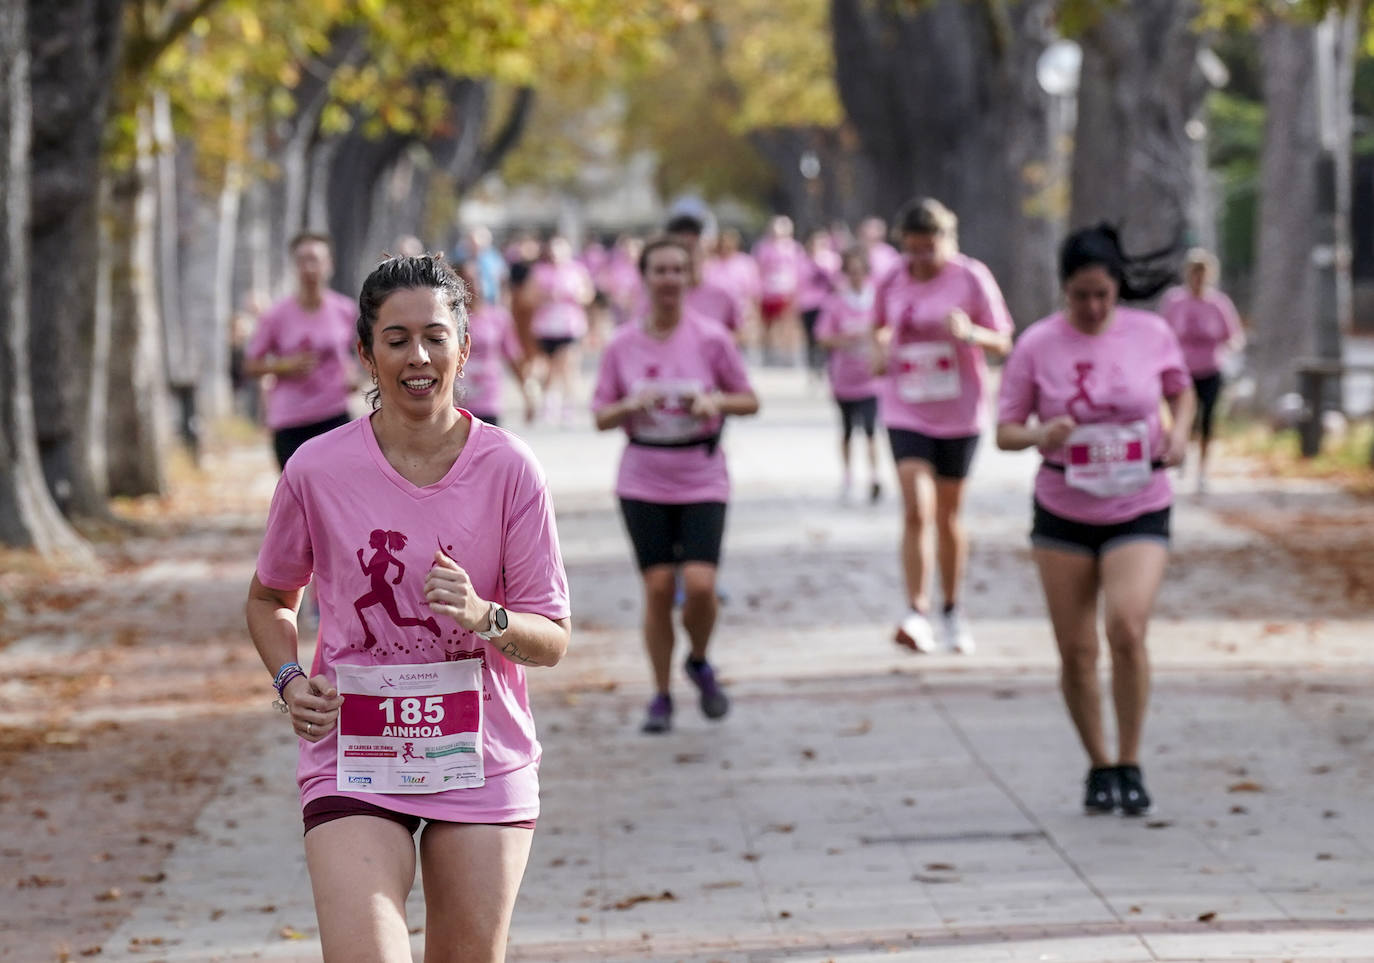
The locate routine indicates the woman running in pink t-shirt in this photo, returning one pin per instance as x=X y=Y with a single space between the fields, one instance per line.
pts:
x=669 y=379
x=936 y=316
x=1085 y=386
x=845 y=332
x=1208 y=328
x=407 y=721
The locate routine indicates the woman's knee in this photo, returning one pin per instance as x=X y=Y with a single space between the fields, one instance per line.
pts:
x=659 y=585
x=699 y=583
x=1126 y=633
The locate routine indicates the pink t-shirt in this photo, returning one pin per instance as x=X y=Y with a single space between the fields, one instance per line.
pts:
x=1204 y=326
x=342 y=514
x=329 y=332
x=715 y=304
x=882 y=259
x=737 y=274
x=698 y=356
x=820 y=277
x=565 y=287
x=1116 y=377
x=619 y=279
x=781 y=262
x=844 y=314
x=494 y=343
x=934 y=382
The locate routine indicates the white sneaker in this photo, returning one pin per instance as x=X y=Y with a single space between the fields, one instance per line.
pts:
x=957 y=636
x=916 y=633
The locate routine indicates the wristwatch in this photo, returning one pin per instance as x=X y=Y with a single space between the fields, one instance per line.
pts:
x=498 y=620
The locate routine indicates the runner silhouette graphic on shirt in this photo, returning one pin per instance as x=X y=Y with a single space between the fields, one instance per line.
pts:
x=381 y=593
x=408 y=752
x=1081 y=406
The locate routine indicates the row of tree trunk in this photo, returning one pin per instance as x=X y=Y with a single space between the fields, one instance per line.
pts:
x=122 y=269
x=945 y=102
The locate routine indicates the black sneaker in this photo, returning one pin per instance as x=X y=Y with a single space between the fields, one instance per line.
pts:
x=1130 y=787
x=1100 y=796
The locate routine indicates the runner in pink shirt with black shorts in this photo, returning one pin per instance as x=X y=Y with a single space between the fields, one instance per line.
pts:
x=936 y=316
x=845 y=331
x=1208 y=328
x=431 y=541
x=305 y=342
x=669 y=380
x=495 y=350
x=1085 y=386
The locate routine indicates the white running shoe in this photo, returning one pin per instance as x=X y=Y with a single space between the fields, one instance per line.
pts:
x=957 y=636
x=916 y=633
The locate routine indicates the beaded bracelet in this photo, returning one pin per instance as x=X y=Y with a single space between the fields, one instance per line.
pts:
x=284 y=671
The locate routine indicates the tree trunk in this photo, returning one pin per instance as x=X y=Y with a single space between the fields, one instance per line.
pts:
x=74 y=48
x=28 y=516
x=980 y=144
x=1284 y=291
x=1133 y=158
x=136 y=400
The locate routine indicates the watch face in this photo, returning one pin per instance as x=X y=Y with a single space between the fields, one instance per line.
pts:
x=499 y=618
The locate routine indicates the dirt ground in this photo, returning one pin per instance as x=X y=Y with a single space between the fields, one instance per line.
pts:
x=128 y=688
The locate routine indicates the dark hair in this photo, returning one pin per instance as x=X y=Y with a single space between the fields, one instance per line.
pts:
x=307 y=237
x=926 y=215
x=1138 y=278
x=657 y=244
x=855 y=252
x=409 y=273
x=685 y=224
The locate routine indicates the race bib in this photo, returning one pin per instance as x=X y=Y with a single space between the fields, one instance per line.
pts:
x=928 y=371
x=410 y=728
x=1108 y=460
x=671 y=418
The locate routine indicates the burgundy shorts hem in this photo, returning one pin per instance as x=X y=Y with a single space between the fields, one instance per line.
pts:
x=326 y=809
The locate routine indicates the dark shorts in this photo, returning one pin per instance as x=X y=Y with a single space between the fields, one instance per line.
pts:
x=287 y=440
x=1052 y=531
x=1208 y=388
x=858 y=413
x=329 y=808
x=951 y=457
x=551 y=346
x=673 y=534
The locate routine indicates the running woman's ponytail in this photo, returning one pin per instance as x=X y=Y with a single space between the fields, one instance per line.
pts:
x=1138 y=277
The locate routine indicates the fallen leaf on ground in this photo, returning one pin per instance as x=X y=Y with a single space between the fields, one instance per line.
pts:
x=779 y=828
x=1207 y=917
x=940 y=867
x=1245 y=785
x=664 y=897
x=1239 y=810
x=1325 y=856
x=1158 y=824
x=290 y=933
x=864 y=727
x=109 y=895
x=723 y=884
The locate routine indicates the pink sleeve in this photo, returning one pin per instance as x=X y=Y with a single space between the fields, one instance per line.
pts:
x=1230 y=315
x=286 y=559
x=1016 y=397
x=731 y=374
x=264 y=340
x=1174 y=377
x=1169 y=305
x=880 y=301
x=992 y=309
x=532 y=562
x=608 y=387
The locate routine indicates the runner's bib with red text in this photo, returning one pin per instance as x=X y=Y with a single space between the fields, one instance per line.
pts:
x=928 y=371
x=1108 y=460
x=671 y=418
x=410 y=728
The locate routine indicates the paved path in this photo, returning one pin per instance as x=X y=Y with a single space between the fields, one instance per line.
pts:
x=860 y=804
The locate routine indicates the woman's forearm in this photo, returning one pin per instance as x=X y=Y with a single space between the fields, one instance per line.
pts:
x=1015 y=436
x=531 y=639
x=271 y=617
